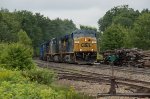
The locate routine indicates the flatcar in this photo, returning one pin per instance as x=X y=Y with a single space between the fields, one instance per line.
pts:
x=77 y=47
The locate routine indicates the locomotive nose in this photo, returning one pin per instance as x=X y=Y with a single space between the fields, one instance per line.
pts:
x=85 y=44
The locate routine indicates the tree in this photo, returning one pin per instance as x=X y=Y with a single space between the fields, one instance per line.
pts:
x=114 y=37
x=4 y=32
x=141 y=32
x=38 y=28
x=16 y=56
x=122 y=15
x=8 y=26
x=24 y=39
x=145 y=11
x=88 y=28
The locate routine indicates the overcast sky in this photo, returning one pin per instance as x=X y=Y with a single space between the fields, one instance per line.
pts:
x=85 y=12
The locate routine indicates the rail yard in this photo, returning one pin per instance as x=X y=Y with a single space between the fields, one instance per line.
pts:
x=129 y=81
x=63 y=49
x=75 y=57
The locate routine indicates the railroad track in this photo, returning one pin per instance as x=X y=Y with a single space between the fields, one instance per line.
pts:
x=82 y=75
x=133 y=70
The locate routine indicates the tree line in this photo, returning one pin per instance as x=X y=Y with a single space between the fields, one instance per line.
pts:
x=124 y=27
x=120 y=27
x=38 y=27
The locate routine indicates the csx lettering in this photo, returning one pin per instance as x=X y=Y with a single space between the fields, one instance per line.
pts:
x=85 y=45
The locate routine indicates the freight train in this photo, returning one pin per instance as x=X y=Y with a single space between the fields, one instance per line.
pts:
x=78 y=47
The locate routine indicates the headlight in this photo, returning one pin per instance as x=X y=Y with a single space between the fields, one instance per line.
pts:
x=76 y=41
x=93 y=41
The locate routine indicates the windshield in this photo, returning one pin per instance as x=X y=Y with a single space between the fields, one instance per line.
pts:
x=84 y=33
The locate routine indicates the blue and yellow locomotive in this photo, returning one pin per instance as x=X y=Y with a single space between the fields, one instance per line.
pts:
x=77 y=47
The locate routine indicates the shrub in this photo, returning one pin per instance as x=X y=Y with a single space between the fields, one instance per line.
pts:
x=15 y=86
x=7 y=75
x=2 y=47
x=12 y=76
x=17 y=56
x=40 y=75
x=18 y=90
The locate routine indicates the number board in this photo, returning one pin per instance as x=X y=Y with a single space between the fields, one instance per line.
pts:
x=85 y=45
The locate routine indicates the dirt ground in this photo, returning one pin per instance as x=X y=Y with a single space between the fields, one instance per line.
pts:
x=93 y=88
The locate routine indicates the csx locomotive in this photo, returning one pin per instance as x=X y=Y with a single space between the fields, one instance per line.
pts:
x=77 y=47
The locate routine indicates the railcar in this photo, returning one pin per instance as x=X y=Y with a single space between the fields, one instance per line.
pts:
x=77 y=47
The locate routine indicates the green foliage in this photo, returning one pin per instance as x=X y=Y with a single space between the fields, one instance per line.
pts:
x=16 y=56
x=38 y=28
x=141 y=32
x=8 y=26
x=12 y=76
x=82 y=27
x=42 y=76
x=122 y=15
x=113 y=38
x=10 y=90
x=15 y=86
x=25 y=90
x=24 y=39
x=145 y=11
x=4 y=32
x=135 y=26
x=2 y=47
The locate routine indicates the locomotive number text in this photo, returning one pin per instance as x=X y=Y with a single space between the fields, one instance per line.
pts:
x=85 y=45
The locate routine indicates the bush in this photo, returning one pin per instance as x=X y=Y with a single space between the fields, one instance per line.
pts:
x=8 y=75
x=2 y=47
x=40 y=75
x=19 y=90
x=16 y=56
x=15 y=86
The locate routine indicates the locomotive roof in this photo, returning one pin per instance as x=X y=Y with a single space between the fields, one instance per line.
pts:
x=84 y=31
x=67 y=35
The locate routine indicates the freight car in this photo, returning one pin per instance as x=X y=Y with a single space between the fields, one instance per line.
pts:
x=77 y=47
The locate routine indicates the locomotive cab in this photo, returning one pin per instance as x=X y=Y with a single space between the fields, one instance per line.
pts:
x=85 y=46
